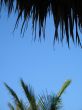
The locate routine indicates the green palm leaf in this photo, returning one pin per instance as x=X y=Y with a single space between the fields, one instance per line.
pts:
x=63 y=88
x=30 y=95
x=11 y=106
x=46 y=102
x=15 y=97
x=52 y=102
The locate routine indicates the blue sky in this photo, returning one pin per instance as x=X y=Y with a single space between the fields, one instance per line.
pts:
x=40 y=64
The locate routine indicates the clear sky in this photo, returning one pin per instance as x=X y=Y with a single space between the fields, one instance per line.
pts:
x=40 y=64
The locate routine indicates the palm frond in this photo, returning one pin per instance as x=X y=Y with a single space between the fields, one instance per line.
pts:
x=15 y=97
x=12 y=93
x=11 y=106
x=45 y=102
x=56 y=103
x=30 y=95
x=53 y=102
x=50 y=102
x=63 y=88
x=65 y=14
x=41 y=102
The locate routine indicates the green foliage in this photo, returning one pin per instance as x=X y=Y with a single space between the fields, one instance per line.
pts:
x=65 y=85
x=52 y=102
x=45 y=102
x=30 y=95
x=18 y=103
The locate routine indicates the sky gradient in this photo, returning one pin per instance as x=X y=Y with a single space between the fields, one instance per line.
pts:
x=40 y=64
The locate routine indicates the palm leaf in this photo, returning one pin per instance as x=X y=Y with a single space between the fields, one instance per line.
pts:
x=64 y=87
x=56 y=100
x=50 y=102
x=41 y=103
x=30 y=96
x=55 y=103
x=11 y=106
x=15 y=97
x=66 y=14
x=46 y=102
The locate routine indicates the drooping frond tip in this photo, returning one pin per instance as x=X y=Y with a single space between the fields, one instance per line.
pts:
x=66 y=13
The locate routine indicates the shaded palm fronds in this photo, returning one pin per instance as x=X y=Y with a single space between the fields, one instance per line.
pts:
x=66 y=14
x=53 y=102
x=44 y=102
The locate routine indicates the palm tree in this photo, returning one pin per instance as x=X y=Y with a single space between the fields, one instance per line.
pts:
x=66 y=13
x=48 y=102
